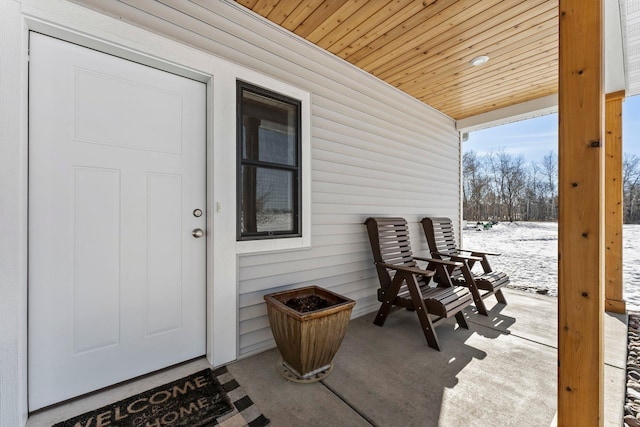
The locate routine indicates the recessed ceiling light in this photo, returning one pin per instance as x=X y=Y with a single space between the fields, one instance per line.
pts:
x=479 y=60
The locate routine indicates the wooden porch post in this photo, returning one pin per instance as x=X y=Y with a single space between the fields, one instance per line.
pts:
x=614 y=300
x=580 y=223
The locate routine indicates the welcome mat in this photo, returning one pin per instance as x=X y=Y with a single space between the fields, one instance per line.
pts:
x=206 y=398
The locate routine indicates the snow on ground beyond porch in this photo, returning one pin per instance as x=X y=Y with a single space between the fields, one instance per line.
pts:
x=530 y=255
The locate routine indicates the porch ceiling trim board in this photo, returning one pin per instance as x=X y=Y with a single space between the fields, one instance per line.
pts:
x=631 y=17
x=526 y=110
x=581 y=219
x=614 y=61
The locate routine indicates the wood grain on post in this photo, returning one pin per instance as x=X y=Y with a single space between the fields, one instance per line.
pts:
x=580 y=223
x=614 y=299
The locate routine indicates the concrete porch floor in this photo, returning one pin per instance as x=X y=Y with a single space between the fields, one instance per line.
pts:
x=501 y=372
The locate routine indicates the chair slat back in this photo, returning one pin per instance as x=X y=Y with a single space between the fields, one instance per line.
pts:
x=440 y=236
x=389 y=238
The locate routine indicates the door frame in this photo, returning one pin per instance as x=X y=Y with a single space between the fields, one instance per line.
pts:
x=87 y=28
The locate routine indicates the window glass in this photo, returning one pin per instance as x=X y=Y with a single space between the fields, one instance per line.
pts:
x=268 y=169
x=269 y=130
x=274 y=206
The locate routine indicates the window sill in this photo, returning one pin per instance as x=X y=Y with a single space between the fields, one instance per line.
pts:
x=272 y=245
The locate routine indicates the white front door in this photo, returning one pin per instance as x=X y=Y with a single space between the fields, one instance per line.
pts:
x=117 y=171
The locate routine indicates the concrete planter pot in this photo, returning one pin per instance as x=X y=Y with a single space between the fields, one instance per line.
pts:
x=308 y=341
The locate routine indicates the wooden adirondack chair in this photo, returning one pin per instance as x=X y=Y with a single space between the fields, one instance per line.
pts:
x=442 y=244
x=404 y=284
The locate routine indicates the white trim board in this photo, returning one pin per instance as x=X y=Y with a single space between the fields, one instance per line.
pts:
x=13 y=215
x=614 y=61
x=514 y=113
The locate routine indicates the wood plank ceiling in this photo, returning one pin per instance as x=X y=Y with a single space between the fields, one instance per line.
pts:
x=424 y=47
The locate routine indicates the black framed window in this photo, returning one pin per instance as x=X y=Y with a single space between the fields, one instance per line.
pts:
x=269 y=199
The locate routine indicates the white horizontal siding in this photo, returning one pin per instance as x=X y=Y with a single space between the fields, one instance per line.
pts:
x=13 y=225
x=402 y=128
x=375 y=151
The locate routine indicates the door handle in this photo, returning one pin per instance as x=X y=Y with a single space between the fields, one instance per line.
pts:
x=197 y=233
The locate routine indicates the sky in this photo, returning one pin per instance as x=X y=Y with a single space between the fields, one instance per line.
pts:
x=534 y=138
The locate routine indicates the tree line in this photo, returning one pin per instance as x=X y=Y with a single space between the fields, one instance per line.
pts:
x=502 y=187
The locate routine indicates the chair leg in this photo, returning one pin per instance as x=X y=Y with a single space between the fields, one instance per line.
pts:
x=427 y=327
x=382 y=314
x=477 y=300
x=500 y=297
x=475 y=293
x=462 y=321
x=423 y=314
x=387 y=303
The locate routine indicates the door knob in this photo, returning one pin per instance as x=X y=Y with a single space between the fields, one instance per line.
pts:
x=197 y=233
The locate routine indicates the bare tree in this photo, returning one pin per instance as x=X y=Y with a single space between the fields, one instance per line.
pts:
x=509 y=181
x=630 y=181
x=534 y=201
x=498 y=186
x=474 y=186
x=550 y=170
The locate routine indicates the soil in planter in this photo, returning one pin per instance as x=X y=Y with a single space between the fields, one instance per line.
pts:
x=310 y=303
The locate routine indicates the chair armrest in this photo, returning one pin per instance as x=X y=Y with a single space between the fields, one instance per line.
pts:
x=482 y=257
x=459 y=257
x=480 y=253
x=412 y=270
x=439 y=261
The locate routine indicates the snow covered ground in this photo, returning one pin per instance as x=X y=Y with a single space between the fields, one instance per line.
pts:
x=530 y=256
